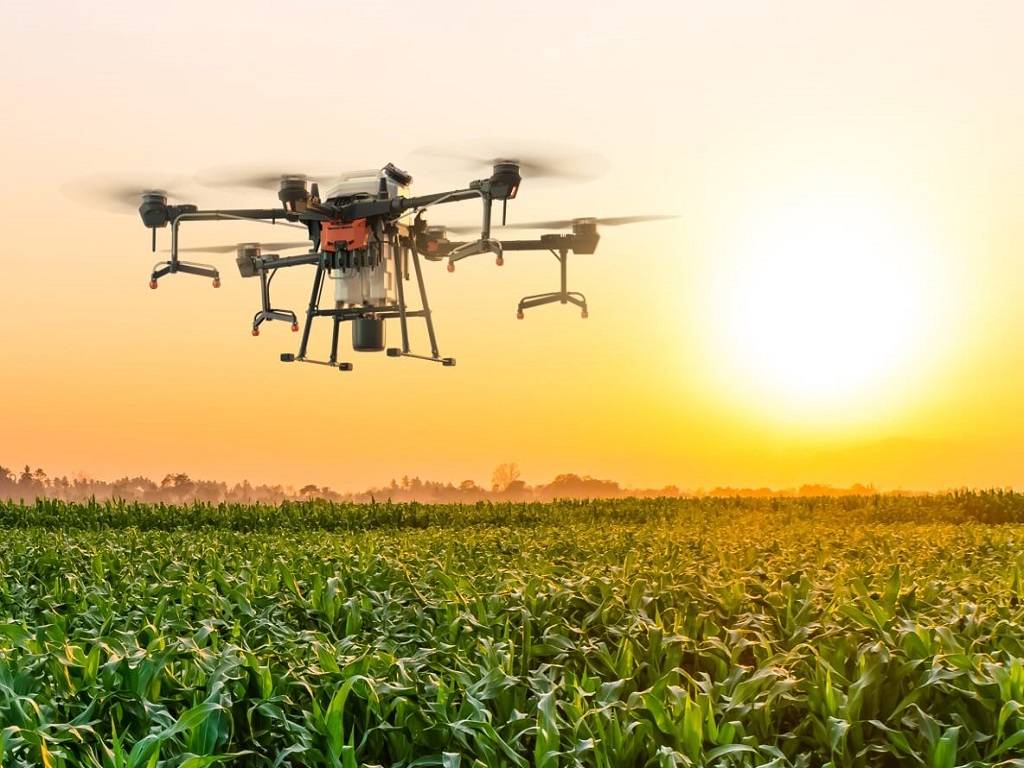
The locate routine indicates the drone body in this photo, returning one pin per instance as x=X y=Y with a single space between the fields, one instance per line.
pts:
x=360 y=244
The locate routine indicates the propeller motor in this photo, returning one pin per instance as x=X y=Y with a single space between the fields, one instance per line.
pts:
x=293 y=193
x=153 y=209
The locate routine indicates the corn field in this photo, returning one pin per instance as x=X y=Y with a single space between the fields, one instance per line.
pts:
x=706 y=632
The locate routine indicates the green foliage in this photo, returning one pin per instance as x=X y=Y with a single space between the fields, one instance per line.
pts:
x=718 y=632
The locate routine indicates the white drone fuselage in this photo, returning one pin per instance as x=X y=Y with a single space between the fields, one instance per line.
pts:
x=367 y=285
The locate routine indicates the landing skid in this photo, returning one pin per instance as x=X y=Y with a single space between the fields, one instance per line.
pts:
x=396 y=311
x=162 y=268
x=288 y=357
x=563 y=296
x=267 y=312
x=555 y=297
x=448 y=362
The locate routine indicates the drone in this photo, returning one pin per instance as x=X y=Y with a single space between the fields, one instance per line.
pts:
x=362 y=235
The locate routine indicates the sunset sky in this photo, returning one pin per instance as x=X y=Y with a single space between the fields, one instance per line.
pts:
x=840 y=300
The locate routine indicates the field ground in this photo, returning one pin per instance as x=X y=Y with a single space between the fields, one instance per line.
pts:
x=851 y=632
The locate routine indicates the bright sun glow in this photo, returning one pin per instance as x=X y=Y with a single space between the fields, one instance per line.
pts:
x=823 y=304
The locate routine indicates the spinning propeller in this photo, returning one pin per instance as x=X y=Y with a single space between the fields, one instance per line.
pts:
x=264 y=179
x=536 y=163
x=121 y=194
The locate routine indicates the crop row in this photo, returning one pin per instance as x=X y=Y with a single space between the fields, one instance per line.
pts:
x=728 y=635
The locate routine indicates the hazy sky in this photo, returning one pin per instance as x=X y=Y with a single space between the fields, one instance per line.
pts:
x=840 y=301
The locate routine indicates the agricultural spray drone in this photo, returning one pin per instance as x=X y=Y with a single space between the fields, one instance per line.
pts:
x=362 y=235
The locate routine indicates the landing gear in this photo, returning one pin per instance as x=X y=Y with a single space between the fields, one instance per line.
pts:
x=268 y=313
x=289 y=357
x=424 y=312
x=154 y=284
x=500 y=261
x=563 y=296
x=264 y=316
x=369 y=317
x=447 y=362
x=172 y=267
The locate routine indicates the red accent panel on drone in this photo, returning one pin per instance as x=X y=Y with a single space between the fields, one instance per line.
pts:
x=350 y=236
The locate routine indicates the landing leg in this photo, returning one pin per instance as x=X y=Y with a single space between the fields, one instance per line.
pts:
x=400 y=288
x=268 y=312
x=170 y=267
x=425 y=304
x=435 y=356
x=334 y=340
x=314 y=304
x=563 y=296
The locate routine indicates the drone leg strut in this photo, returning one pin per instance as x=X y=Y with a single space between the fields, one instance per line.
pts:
x=203 y=270
x=399 y=280
x=425 y=304
x=424 y=312
x=170 y=267
x=334 y=340
x=268 y=312
x=315 y=311
x=314 y=304
x=576 y=298
x=563 y=262
x=563 y=296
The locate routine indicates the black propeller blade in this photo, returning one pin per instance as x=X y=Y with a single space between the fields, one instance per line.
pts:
x=608 y=221
x=263 y=178
x=534 y=163
x=119 y=193
x=268 y=247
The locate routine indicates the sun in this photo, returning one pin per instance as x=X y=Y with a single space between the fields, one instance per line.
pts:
x=823 y=306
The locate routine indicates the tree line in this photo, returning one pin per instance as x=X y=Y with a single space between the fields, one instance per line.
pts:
x=506 y=485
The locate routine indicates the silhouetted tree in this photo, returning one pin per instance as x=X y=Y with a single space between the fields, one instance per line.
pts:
x=27 y=482
x=503 y=476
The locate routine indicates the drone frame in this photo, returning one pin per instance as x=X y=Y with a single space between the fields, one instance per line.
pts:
x=303 y=208
x=339 y=229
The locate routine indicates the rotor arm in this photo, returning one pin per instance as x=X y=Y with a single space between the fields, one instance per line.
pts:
x=239 y=214
x=457 y=251
x=265 y=215
x=367 y=208
x=486 y=190
x=543 y=243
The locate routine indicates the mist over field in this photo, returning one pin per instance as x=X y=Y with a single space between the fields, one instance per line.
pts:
x=506 y=485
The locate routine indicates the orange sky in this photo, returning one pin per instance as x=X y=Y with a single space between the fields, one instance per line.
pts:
x=839 y=302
